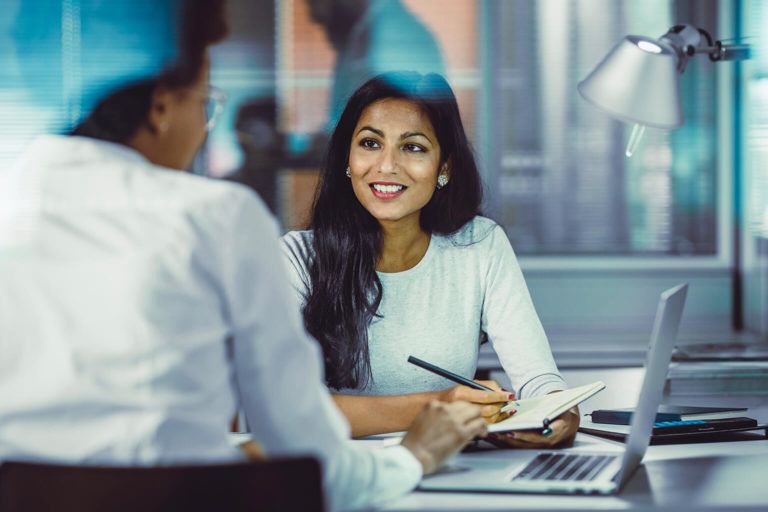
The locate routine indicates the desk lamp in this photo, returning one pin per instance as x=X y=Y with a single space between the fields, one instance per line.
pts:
x=638 y=81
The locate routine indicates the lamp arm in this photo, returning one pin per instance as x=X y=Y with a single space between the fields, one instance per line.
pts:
x=687 y=40
x=718 y=51
x=723 y=52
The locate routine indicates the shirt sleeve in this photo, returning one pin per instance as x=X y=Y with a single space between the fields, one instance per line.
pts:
x=512 y=325
x=279 y=375
x=295 y=247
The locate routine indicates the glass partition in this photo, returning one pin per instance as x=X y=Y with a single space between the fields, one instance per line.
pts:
x=598 y=234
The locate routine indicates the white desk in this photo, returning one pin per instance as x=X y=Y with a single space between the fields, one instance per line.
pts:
x=711 y=476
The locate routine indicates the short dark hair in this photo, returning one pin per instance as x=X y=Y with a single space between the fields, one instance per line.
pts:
x=119 y=115
x=345 y=291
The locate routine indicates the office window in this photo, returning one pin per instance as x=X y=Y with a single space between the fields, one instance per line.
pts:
x=562 y=182
x=555 y=171
x=244 y=66
x=47 y=81
x=553 y=166
x=754 y=147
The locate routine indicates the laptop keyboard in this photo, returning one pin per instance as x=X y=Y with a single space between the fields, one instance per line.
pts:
x=564 y=466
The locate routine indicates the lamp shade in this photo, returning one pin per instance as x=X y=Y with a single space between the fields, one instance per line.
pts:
x=637 y=82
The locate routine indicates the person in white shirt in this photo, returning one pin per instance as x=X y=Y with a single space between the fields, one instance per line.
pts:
x=399 y=262
x=140 y=306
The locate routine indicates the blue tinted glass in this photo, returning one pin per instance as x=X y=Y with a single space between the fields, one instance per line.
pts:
x=561 y=183
x=59 y=57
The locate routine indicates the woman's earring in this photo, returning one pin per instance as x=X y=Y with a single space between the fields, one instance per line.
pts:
x=348 y=172
x=442 y=181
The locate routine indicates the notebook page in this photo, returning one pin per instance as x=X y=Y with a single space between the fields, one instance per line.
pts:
x=531 y=412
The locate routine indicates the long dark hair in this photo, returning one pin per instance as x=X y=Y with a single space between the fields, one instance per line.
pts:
x=345 y=291
x=118 y=116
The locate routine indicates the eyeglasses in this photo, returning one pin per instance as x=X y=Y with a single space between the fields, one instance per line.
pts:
x=214 y=105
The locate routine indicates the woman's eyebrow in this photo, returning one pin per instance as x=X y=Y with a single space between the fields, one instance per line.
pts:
x=414 y=134
x=372 y=129
x=402 y=137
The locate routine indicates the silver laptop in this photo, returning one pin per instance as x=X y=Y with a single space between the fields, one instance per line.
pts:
x=558 y=472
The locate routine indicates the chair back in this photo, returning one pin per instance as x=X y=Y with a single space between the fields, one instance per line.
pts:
x=279 y=484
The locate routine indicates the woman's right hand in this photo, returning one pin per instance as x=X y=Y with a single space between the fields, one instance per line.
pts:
x=490 y=402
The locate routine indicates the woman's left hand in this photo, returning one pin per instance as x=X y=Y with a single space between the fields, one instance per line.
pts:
x=563 y=431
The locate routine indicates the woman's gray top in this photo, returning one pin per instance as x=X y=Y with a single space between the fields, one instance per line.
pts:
x=467 y=283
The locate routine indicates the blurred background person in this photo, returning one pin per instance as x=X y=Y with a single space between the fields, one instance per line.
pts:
x=264 y=151
x=371 y=37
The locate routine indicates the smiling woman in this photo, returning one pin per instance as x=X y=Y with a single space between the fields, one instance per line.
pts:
x=399 y=262
x=393 y=160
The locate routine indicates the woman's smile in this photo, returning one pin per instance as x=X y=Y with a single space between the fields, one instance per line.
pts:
x=393 y=160
x=386 y=190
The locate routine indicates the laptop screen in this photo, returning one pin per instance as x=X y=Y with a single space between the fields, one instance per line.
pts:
x=659 y=354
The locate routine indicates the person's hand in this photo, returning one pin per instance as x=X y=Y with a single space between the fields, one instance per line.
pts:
x=490 y=402
x=563 y=430
x=253 y=450
x=442 y=429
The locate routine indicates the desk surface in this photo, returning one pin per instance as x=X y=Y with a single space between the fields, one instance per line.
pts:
x=717 y=476
x=712 y=476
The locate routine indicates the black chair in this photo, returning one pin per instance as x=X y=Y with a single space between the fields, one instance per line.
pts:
x=280 y=484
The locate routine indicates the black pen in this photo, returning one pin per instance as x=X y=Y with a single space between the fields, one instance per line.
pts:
x=448 y=375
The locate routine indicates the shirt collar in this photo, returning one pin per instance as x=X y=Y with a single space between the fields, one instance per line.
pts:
x=64 y=150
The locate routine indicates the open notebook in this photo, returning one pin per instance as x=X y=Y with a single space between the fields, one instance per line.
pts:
x=540 y=411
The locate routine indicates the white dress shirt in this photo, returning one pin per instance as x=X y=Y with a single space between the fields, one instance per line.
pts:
x=139 y=306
